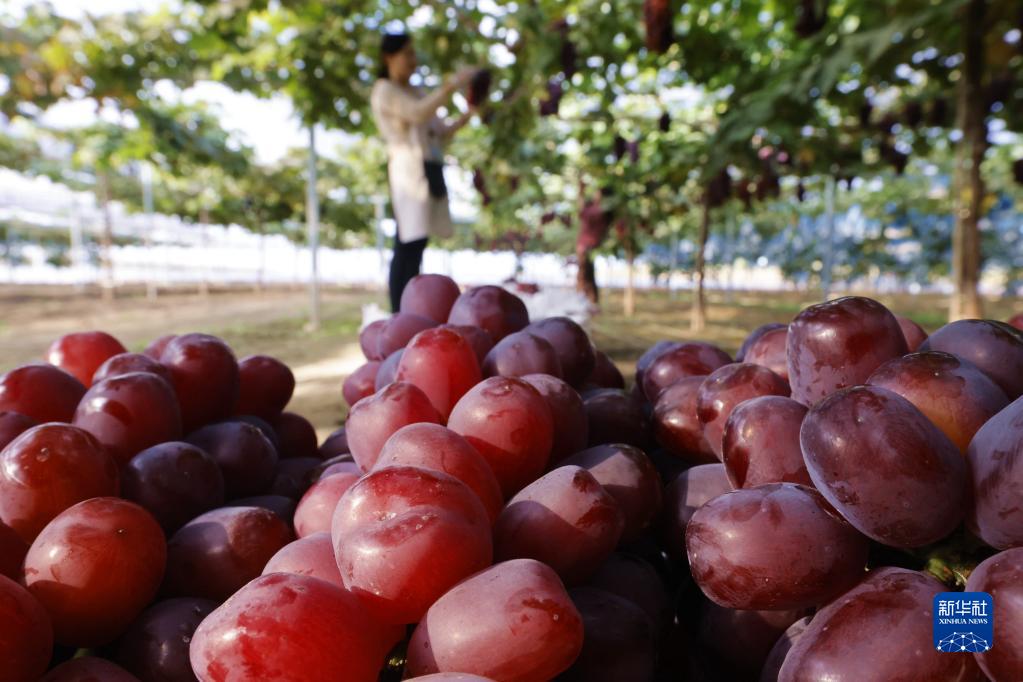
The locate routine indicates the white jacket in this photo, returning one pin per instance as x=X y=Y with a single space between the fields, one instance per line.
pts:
x=408 y=122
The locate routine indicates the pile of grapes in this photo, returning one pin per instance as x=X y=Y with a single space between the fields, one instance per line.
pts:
x=499 y=507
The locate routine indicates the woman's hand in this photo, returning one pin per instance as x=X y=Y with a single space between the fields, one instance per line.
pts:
x=462 y=77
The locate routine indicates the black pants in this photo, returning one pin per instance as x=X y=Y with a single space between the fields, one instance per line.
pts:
x=408 y=258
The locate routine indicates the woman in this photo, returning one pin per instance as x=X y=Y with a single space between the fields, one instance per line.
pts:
x=415 y=137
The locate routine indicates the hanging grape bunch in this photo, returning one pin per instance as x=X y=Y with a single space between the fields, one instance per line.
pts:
x=811 y=16
x=479 y=87
x=658 y=16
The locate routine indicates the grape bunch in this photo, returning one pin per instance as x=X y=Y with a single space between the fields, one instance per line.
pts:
x=499 y=506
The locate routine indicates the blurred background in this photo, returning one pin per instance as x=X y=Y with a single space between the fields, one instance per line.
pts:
x=211 y=165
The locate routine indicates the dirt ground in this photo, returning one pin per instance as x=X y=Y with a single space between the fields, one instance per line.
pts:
x=273 y=322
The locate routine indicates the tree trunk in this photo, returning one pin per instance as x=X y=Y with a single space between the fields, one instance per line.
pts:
x=829 y=246
x=629 y=300
x=107 y=239
x=699 y=311
x=969 y=184
x=586 y=277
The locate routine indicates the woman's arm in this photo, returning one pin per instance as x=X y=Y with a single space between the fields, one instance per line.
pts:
x=454 y=126
x=402 y=104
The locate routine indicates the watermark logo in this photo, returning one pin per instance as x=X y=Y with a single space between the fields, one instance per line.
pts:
x=963 y=622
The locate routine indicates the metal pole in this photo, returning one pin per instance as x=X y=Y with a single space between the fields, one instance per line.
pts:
x=829 y=246
x=378 y=206
x=146 y=177
x=77 y=248
x=313 y=232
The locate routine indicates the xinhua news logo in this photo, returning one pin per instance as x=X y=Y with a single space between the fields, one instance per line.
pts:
x=964 y=621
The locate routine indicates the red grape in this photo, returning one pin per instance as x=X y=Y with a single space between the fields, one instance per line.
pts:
x=1016 y=321
x=679 y=362
x=633 y=579
x=762 y=549
x=89 y=669
x=629 y=476
x=449 y=677
x=205 y=374
x=995 y=459
x=289 y=628
x=776 y=658
x=13 y=425
x=281 y=506
x=316 y=508
x=40 y=392
x=264 y=428
x=913 y=333
x=312 y=555
x=296 y=436
x=175 y=482
x=613 y=416
x=126 y=363
x=130 y=413
x=361 y=382
x=769 y=351
x=761 y=442
x=494 y=309
x=509 y=423
x=521 y=353
x=951 y=392
x=565 y=519
x=265 y=386
x=375 y=419
x=369 y=340
x=12 y=552
x=879 y=630
x=754 y=336
x=81 y=353
x=838 y=344
x=95 y=567
x=46 y=470
x=399 y=330
x=335 y=444
x=26 y=636
x=619 y=641
x=342 y=465
x=478 y=338
x=431 y=446
x=994 y=347
x=442 y=364
x=245 y=456
x=567 y=412
x=571 y=344
x=294 y=476
x=513 y=622
x=884 y=466
x=404 y=535
x=649 y=355
x=1001 y=576
x=215 y=554
x=155 y=647
x=691 y=490
x=742 y=640
x=388 y=368
x=725 y=389
x=676 y=424
x=605 y=373
x=156 y=346
x=430 y=296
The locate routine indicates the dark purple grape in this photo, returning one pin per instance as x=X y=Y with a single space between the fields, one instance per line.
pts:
x=884 y=466
x=1001 y=576
x=994 y=347
x=995 y=458
x=761 y=549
